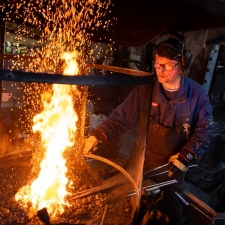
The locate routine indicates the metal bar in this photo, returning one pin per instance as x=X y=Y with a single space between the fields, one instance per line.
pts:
x=124 y=172
x=211 y=67
x=106 y=209
x=156 y=168
x=154 y=186
x=166 y=171
x=199 y=202
x=116 y=184
x=96 y=189
x=87 y=80
x=89 y=65
x=162 y=184
x=118 y=69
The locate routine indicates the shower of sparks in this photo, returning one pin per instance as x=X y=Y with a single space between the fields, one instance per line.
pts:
x=64 y=27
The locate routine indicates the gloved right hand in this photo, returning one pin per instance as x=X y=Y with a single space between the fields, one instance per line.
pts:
x=90 y=144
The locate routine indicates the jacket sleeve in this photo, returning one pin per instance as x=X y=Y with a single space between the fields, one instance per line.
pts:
x=124 y=117
x=202 y=132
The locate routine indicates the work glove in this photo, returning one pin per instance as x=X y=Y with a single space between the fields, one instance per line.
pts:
x=180 y=161
x=90 y=144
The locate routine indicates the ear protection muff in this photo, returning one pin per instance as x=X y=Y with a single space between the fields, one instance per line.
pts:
x=186 y=55
x=186 y=59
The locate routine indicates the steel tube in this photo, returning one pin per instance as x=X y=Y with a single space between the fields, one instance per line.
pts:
x=87 y=80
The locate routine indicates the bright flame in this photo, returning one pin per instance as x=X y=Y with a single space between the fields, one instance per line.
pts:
x=71 y=67
x=69 y=25
x=57 y=125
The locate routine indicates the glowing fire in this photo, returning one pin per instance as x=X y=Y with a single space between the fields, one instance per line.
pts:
x=69 y=25
x=57 y=125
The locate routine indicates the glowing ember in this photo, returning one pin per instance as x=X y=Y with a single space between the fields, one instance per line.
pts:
x=57 y=125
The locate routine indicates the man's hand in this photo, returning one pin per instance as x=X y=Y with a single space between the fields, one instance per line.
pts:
x=90 y=144
x=173 y=158
x=178 y=162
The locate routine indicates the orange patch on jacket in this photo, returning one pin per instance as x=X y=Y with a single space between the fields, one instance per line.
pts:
x=154 y=104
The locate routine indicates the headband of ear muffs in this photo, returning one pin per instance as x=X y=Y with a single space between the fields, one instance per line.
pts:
x=171 y=49
x=175 y=49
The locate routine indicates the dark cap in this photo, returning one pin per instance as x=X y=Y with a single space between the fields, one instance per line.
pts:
x=171 y=49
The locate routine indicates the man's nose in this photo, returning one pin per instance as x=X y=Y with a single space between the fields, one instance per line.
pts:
x=161 y=67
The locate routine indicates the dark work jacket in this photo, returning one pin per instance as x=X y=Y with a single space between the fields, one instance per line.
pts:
x=191 y=106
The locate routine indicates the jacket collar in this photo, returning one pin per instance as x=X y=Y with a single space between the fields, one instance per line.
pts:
x=159 y=97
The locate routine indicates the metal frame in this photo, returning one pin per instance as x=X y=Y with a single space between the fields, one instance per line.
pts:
x=211 y=67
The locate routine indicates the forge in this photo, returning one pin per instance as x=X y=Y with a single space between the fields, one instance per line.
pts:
x=100 y=190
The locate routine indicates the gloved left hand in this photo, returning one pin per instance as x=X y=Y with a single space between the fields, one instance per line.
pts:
x=178 y=163
x=181 y=160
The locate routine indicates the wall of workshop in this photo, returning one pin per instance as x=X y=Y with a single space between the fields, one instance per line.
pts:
x=135 y=54
x=196 y=43
x=14 y=45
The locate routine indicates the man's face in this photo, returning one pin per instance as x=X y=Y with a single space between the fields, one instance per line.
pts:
x=165 y=76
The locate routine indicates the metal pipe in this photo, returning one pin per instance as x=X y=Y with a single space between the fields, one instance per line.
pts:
x=157 y=174
x=124 y=172
x=156 y=168
x=97 y=189
x=162 y=184
x=87 y=80
x=153 y=187
x=105 y=214
x=86 y=68
x=166 y=171
x=117 y=69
